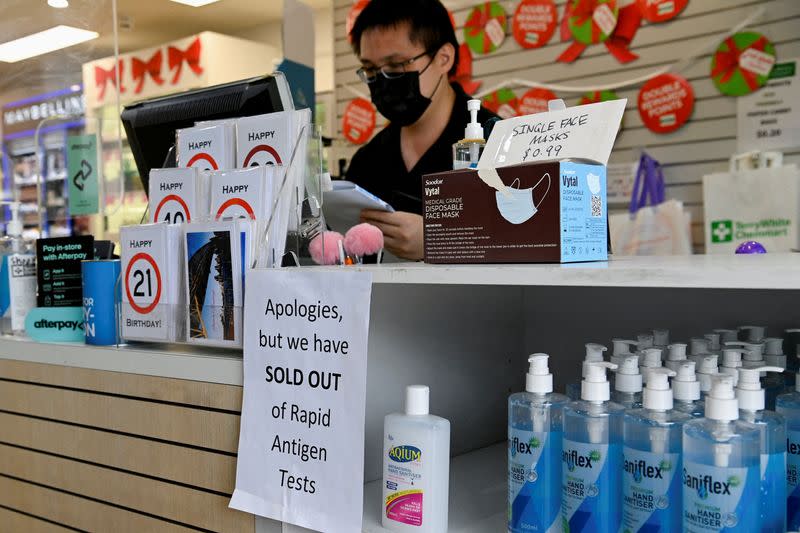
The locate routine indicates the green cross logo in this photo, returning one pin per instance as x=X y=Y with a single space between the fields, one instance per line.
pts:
x=722 y=231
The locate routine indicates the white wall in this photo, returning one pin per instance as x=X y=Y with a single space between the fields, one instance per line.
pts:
x=700 y=147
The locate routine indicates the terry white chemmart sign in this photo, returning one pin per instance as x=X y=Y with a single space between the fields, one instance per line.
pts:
x=753 y=205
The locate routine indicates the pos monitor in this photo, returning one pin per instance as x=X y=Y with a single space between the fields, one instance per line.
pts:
x=150 y=125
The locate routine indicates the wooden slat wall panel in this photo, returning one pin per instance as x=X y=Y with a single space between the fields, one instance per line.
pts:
x=109 y=451
x=11 y=521
x=77 y=512
x=206 y=429
x=214 y=395
x=198 y=468
x=166 y=500
x=700 y=147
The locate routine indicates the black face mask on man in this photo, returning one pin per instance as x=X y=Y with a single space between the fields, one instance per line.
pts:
x=399 y=98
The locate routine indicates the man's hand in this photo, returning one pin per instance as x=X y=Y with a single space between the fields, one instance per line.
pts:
x=402 y=232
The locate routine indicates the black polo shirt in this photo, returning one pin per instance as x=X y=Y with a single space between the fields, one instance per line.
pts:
x=378 y=166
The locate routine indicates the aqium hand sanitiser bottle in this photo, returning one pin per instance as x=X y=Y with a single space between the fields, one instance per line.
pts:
x=591 y=461
x=721 y=466
x=652 y=460
x=535 y=419
x=416 y=467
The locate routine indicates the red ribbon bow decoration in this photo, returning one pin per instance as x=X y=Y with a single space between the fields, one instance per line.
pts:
x=153 y=67
x=103 y=76
x=176 y=57
x=618 y=43
x=728 y=62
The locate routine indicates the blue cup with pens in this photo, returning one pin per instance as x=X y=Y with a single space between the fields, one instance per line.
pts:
x=101 y=292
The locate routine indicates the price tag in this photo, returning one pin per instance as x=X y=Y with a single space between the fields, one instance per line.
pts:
x=301 y=443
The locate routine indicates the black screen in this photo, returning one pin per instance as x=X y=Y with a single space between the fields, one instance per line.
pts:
x=151 y=125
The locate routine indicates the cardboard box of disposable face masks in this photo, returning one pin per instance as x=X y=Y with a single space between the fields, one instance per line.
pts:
x=553 y=212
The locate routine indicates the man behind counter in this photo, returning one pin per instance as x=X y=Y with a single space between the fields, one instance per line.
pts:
x=407 y=51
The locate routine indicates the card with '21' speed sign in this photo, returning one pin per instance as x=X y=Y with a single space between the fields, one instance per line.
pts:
x=151 y=281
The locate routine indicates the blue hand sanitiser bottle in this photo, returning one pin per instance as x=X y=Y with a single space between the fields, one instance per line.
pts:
x=535 y=431
x=788 y=405
x=721 y=460
x=591 y=466
x=651 y=483
x=772 y=429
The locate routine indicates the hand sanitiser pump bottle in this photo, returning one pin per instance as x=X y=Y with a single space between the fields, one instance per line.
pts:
x=788 y=405
x=591 y=461
x=628 y=383
x=721 y=466
x=651 y=482
x=686 y=391
x=416 y=466
x=594 y=354
x=467 y=151
x=535 y=430
x=772 y=429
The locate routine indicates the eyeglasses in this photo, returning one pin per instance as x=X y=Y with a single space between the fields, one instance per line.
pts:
x=389 y=70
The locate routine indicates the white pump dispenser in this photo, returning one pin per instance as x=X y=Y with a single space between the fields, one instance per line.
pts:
x=749 y=391
x=622 y=348
x=474 y=129
x=676 y=356
x=645 y=340
x=628 y=383
x=657 y=395
x=698 y=346
x=594 y=354
x=595 y=386
x=732 y=362
x=539 y=380
x=726 y=335
x=660 y=337
x=686 y=390
x=754 y=355
x=752 y=333
x=773 y=352
x=651 y=358
x=713 y=342
x=705 y=370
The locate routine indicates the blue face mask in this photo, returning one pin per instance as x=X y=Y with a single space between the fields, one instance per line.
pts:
x=518 y=206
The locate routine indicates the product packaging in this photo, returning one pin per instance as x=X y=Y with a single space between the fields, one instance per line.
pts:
x=101 y=293
x=592 y=457
x=416 y=466
x=535 y=432
x=528 y=200
x=152 y=282
x=178 y=195
x=17 y=277
x=721 y=474
x=788 y=405
x=652 y=459
x=208 y=147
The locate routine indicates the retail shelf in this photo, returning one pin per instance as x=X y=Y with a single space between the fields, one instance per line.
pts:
x=779 y=271
x=478 y=494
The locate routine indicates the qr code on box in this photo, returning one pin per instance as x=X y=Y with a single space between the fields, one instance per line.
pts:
x=597 y=206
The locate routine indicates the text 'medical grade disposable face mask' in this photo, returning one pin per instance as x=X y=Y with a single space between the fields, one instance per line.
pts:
x=518 y=206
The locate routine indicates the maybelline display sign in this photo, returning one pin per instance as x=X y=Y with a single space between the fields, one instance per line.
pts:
x=25 y=115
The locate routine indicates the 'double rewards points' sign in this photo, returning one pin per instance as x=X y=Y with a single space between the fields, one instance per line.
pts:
x=666 y=102
x=301 y=443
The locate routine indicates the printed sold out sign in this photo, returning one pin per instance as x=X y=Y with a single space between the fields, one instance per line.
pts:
x=359 y=121
x=666 y=103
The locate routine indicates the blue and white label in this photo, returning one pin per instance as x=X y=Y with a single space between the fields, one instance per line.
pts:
x=591 y=487
x=793 y=479
x=651 y=491
x=720 y=498
x=773 y=492
x=534 y=481
x=583 y=212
